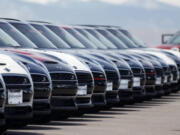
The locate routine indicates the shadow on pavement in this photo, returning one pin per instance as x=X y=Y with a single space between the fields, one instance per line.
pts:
x=97 y=116
x=20 y=133
x=61 y=123
x=39 y=127
x=124 y=109
x=82 y=119
x=111 y=113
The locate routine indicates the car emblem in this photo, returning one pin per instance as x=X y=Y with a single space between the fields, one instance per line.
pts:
x=25 y=81
x=44 y=79
x=72 y=77
x=7 y=69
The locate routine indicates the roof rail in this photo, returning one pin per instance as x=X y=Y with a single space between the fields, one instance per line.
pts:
x=39 y=21
x=10 y=19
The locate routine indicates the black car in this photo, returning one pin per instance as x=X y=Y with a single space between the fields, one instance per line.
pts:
x=2 y=104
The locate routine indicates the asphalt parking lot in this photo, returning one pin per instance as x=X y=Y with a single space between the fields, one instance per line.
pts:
x=156 y=117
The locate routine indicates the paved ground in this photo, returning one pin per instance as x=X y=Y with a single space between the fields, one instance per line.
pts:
x=157 y=117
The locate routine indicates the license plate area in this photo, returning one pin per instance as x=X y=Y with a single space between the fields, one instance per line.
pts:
x=124 y=84
x=82 y=90
x=165 y=79
x=136 y=82
x=158 y=80
x=15 y=97
x=109 y=86
x=172 y=76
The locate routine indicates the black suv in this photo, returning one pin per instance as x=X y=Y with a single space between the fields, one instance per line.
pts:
x=2 y=104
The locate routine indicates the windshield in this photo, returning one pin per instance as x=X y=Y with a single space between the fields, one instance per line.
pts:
x=68 y=38
x=6 y=40
x=123 y=38
x=51 y=36
x=175 y=40
x=119 y=44
x=17 y=36
x=79 y=37
x=102 y=39
x=95 y=41
x=33 y=35
x=137 y=41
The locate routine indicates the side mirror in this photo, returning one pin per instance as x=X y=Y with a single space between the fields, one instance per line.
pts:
x=165 y=38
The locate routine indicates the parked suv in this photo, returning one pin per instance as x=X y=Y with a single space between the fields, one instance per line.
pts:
x=19 y=85
x=2 y=103
x=42 y=85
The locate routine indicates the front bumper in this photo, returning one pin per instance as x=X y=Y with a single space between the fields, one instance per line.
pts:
x=84 y=102
x=19 y=113
x=112 y=97
x=63 y=103
x=41 y=107
x=2 y=117
x=98 y=99
x=126 y=95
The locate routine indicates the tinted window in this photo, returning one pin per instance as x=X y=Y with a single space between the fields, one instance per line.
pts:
x=79 y=37
x=92 y=39
x=17 y=36
x=122 y=37
x=175 y=40
x=33 y=35
x=59 y=43
x=133 y=38
x=68 y=38
x=102 y=39
x=113 y=39
x=6 y=40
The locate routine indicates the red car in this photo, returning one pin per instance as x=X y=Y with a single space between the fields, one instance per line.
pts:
x=173 y=43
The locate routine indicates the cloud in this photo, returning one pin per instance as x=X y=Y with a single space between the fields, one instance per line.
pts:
x=171 y=2
x=43 y=2
x=139 y=3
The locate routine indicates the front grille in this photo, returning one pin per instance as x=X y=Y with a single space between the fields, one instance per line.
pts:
x=19 y=83
x=136 y=71
x=159 y=72
x=112 y=75
x=84 y=77
x=40 y=81
x=125 y=72
x=62 y=76
x=39 y=78
x=16 y=82
x=62 y=84
x=41 y=86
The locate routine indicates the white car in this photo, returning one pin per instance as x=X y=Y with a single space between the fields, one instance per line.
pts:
x=19 y=90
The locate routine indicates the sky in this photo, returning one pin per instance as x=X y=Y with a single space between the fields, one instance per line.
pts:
x=147 y=19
